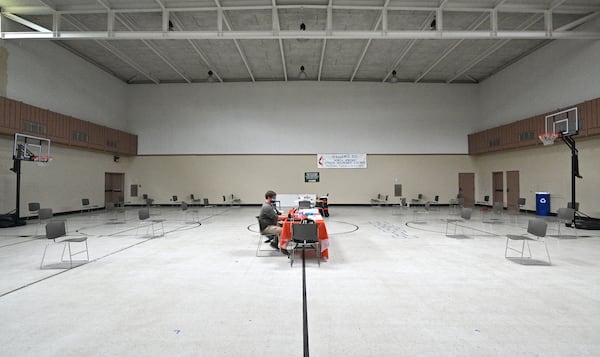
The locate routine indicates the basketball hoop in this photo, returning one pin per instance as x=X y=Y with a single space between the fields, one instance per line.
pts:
x=42 y=160
x=548 y=138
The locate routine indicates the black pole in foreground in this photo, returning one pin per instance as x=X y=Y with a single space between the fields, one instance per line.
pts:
x=304 y=307
x=574 y=169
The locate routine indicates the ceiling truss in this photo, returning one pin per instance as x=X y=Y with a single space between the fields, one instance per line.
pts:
x=436 y=26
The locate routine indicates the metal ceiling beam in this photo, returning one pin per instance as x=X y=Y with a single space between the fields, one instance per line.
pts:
x=478 y=22
x=495 y=47
x=277 y=28
x=237 y=45
x=328 y=28
x=197 y=49
x=408 y=47
x=309 y=35
x=129 y=26
x=26 y=23
x=556 y=3
x=557 y=7
x=578 y=22
x=382 y=18
x=120 y=55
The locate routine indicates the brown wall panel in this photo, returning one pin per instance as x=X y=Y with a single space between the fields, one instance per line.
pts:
x=123 y=142
x=133 y=144
x=8 y=116
x=58 y=127
x=594 y=123
x=583 y=117
x=112 y=140
x=33 y=120
x=17 y=117
x=97 y=136
x=79 y=133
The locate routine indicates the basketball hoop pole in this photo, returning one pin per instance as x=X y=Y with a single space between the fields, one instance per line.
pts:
x=570 y=141
x=17 y=170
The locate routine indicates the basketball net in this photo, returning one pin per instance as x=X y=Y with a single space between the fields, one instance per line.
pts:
x=42 y=160
x=548 y=138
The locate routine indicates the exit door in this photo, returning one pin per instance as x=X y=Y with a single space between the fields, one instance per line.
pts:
x=512 y=190
x=498 y=187
x=466 y=188
x=114 y=187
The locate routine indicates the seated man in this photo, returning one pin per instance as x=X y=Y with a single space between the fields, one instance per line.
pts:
x=269 y=219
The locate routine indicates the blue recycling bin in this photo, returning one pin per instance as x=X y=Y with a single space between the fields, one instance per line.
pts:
x=542 y=203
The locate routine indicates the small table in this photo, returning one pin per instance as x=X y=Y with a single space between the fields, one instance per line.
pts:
x=286 y=236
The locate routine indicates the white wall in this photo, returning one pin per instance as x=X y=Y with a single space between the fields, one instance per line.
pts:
x=302 y=117
x=43 y=74
x=559 y=74
x=250 y=176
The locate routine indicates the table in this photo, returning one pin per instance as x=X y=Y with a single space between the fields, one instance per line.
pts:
x=286 y=236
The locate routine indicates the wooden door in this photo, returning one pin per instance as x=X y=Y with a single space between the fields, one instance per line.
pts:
x=466 y=188
x=512 y=190
x=497 y=187
x=114 y=187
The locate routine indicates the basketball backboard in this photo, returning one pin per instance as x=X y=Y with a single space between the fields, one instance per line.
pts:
x=31 y=148
x=564 y=123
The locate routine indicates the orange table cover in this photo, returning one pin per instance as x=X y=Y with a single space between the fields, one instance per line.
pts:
x=286 y=235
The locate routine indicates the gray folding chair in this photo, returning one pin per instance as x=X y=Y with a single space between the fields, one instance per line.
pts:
x=566 y=216
x=192 y=212
x=85 y=205
x=56 y=230
x=418 y=213
x=44 y=214
x=465 y=215
x=235 y=201
x=536 y=232
x=522 y=202
x=305 y=235
x=144 y=215
x=303 y=204
x=33 y=207
x=266 y=238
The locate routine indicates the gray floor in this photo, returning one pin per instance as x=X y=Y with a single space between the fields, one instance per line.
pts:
x=396 y=286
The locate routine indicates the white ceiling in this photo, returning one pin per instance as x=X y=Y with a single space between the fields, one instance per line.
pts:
x=180 y=41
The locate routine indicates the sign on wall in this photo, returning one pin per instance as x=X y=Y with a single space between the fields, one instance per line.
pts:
x=311 y=177
x=341 y=161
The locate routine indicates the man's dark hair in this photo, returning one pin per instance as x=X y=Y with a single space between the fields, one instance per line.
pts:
x=270 y=194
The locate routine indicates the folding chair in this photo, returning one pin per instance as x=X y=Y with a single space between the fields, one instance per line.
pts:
x=566 y=215
x=305 y=235
x=56 y=230
x=44 y=214
x=536 y=230
x=143 y=216
x=33 y=207
x=261 y=240
x=303 y=204
x=465 y=214
x=85 y=205
x=419 y=212
x=193 y=212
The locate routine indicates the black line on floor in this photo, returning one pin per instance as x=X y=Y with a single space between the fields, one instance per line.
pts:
x=304 y=306
x=21 y=242
x=91 y=261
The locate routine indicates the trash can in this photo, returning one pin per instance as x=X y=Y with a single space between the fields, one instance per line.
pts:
x=542 y=203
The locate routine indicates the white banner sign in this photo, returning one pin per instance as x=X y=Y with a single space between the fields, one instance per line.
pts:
x=341 y=161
